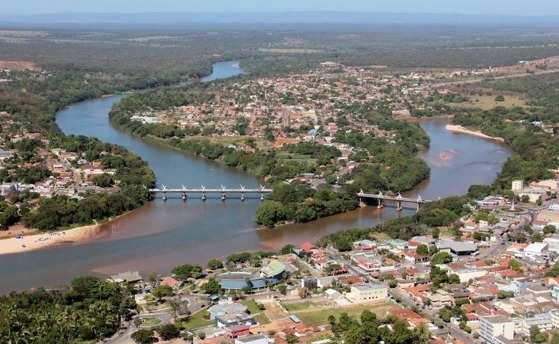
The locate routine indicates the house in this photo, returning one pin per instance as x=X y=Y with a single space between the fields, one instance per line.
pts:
x=547 y=217
x=492 y=327
x=367 y=293
x=536 y=249
x=170 y=282
x=459 y=248
x=412 y=318
x=256 y=339
x=364 y=245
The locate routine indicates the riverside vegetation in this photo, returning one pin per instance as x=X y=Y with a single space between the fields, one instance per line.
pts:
x=385 y=164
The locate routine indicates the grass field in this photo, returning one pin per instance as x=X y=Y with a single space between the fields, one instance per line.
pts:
x=256 y=311
x=489 y=102
x=316 y=316
x=197 y=320
x=150 y=322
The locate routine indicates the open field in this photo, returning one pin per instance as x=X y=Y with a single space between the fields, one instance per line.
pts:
x=313 y=316
x=18 y=65
x=489 y=102
x=289 y=51
x=197 y=320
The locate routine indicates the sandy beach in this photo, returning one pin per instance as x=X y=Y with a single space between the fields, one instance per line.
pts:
x=38 y=241
x=462 y=130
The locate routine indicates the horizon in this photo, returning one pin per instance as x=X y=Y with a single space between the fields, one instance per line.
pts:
x=472 y=7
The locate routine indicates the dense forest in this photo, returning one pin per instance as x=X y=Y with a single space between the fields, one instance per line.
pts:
x=89 y=309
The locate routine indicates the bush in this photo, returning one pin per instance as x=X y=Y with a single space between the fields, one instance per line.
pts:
x=168 y=331
x=144 y=336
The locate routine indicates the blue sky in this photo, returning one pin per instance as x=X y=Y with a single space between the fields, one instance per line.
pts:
x=504 y=7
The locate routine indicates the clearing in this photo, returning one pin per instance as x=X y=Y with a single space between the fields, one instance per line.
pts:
x=489 y=102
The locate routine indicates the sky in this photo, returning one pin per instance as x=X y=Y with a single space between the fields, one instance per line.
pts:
x=492 y=7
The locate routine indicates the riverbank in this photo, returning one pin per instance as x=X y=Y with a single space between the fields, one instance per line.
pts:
x=27 y=243
x=462 y=130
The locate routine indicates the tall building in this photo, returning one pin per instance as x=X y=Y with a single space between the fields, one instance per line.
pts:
x=492 y=327
x=517 y=186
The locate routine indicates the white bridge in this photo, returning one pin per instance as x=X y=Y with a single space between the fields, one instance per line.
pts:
x=224 y=192
x=400 y=201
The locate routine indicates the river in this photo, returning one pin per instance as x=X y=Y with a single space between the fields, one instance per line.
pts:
x=164 y=234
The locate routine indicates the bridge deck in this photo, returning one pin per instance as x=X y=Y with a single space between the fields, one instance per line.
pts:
x=393 y=198
x=210 y=190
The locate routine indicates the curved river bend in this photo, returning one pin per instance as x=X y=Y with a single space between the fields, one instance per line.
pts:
x=164 y=234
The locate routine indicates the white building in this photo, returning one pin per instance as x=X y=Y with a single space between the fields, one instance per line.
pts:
x=492 y=327
x=257 y=339
x=467 y=275
x=517 y=186
x=369 y=292
x=536 y=249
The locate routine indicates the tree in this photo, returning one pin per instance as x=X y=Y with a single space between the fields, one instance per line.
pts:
x=554 y=271
x=282 y=289
x=422 y=250
x=162 y=291
x=287 y=249
x=536 y=336
x=270 y=213
x=515 y=265
x=214 y=264
x=168 y=331
x=187 y=271
x=144 y=336
x=549 y=229
x=500 y=98
x=212 y=287
x=441 y=258
x=502 y=294
x=292 y=339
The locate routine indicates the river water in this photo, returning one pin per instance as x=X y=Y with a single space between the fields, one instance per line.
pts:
x=162 y=235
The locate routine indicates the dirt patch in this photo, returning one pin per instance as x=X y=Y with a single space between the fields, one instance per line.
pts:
x=18 y=65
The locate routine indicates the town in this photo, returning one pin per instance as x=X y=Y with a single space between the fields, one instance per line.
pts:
x=488 y=278
x=291 y=172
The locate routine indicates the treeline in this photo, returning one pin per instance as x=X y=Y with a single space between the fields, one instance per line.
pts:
x=90 y=309
x=297 y=202
x=369 y=329
x=436 y=214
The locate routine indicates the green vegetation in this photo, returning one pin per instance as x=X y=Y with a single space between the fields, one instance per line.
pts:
x=187 y=271
x=197 y=320
x=89 y=309
x=394 y=165
x=368 y=329
x=405 y=227
x=144 y=336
